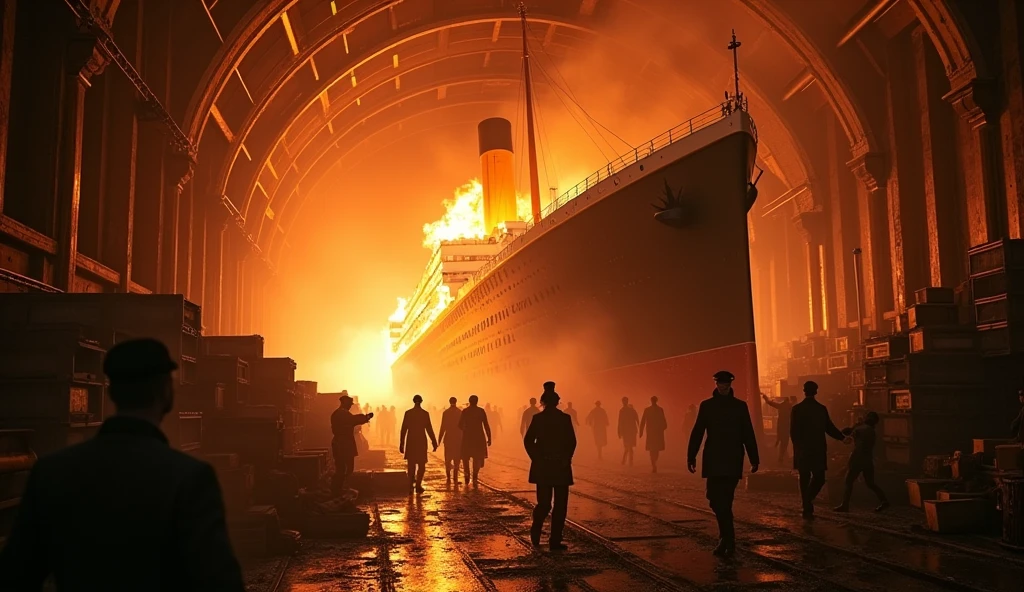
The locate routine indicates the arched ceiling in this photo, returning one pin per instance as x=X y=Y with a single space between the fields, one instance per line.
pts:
x=297 y=86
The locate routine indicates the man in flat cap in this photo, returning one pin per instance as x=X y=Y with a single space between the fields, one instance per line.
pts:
x=550 y=442
x=808 y=427
x=123 y=496
x=726 y=420
x=343 y=446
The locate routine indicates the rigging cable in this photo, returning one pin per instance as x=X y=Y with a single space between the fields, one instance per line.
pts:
x=572 y=97
x=581 y=123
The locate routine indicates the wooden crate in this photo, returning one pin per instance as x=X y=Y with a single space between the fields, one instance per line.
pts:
x=273 y=372
x=998 y=283
x=1004 y=254
x=999 y=309
x=956 y=516
x=934 y=399
x=934 y=296
x=942 y=339
x=889 y=346
x=932 y=315
x=1001 y=338
x=1008 y=457
x=874 y=399
x=247 y=347
x=987 y=448
x=922 y=490
x=936 y=368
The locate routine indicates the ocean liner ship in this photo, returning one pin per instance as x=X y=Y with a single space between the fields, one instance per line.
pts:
x=599 y=291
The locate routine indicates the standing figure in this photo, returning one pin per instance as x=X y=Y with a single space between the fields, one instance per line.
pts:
x=597 y=419
x=809 y=425
x=726 y=421
x=628 y=426
x=392 y=423
x=654 y=421
x=528 y=414
x=498 y=413
x=785 y=409
x=124 y=495
x=343 y=446
x=862 y=461
x=572 y=414
x=412 y=441
x=476 y=437
x=550 y=442
x=451 y=437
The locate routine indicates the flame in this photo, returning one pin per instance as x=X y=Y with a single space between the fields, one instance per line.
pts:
x=464 y=216
x=400 y=312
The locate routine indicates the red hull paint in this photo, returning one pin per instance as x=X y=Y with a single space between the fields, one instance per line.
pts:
x=666 y=378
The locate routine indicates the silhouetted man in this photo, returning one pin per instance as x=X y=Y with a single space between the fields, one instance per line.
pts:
x=785 y=409
x=726 y=420
x=809 y=425
x=597 y=419
x=124 y=496
x=498 y=413
x=451 y=436
x=528 y=414
x=572 y=414
x=392 y=422
x=654 y=421
x=862 y=461
x=476 y=437
x=550 y=442
x=412 y=441
x=628 y=425
x=344 y=447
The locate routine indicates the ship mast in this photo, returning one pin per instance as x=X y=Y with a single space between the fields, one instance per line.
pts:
x=734 y=46
x=531 y=139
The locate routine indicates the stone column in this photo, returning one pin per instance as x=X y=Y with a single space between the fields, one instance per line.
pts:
x=943 y=219
x=812 y=228
x=178 y=169
x=213 y=292
x=83 y=60
x=872 y=209
x=975 y=100
x=1011 y=19
x=841 y=205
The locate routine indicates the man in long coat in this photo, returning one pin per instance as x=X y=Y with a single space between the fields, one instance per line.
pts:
x=726 y=421
x=597 y=419
x=654 y=421
x=550 y=442
x=628 y=426
x=343 y=446
x=809 y=425
x=412 y=441
x=476 y=437
x=451 y=436
x=528 y=414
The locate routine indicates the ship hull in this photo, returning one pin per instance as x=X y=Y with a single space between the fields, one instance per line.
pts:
x=608 y=301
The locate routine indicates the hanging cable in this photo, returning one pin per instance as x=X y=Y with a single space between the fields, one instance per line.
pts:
x=582 y=125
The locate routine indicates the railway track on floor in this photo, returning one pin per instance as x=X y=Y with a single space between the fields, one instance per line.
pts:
x=904 y=570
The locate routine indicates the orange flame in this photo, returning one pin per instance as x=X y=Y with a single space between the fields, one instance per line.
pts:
x=464 y=216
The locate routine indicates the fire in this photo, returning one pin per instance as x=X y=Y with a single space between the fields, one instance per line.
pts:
x=464 y=216
x=400 y=312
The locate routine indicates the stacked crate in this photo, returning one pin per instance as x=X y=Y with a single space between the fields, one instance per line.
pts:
x=997 y=286
x=222 y=383
x=246 y=347
x=170 y=318
x=16 y=459
x=809 y=357
x=926 y=384
x=273 y=383
x=51 y=381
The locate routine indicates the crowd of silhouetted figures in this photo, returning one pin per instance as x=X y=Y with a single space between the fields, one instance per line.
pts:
x=127 y=495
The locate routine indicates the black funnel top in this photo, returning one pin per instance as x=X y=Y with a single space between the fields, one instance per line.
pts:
x=495 y=134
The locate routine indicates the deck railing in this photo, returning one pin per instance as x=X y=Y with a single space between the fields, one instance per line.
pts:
x=683 y=130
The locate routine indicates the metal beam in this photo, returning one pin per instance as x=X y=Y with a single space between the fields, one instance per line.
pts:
x=870 y=15
x=802 y=81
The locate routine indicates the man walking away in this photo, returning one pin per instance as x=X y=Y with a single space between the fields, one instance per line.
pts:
x=343 y=446
x=528 y=414
x=451 y=437
x=809 y=425
x=476 y=437
x=123 y=495
x=628 y=426
x=572 y=414
x=862 y=461
x=597 y=419
x=550 y=442
x=412 y=441
x=726 y=421
x=785 y=409
x=654 y=421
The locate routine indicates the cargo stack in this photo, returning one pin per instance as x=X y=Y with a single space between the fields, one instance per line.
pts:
x=997 y=287
x=52 y=382
x=107 y=319
x=222 y=383
x=926 y=384
x=273 y=384
x=808 y=356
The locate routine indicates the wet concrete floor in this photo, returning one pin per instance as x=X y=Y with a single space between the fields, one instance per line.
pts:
x=631 y=530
